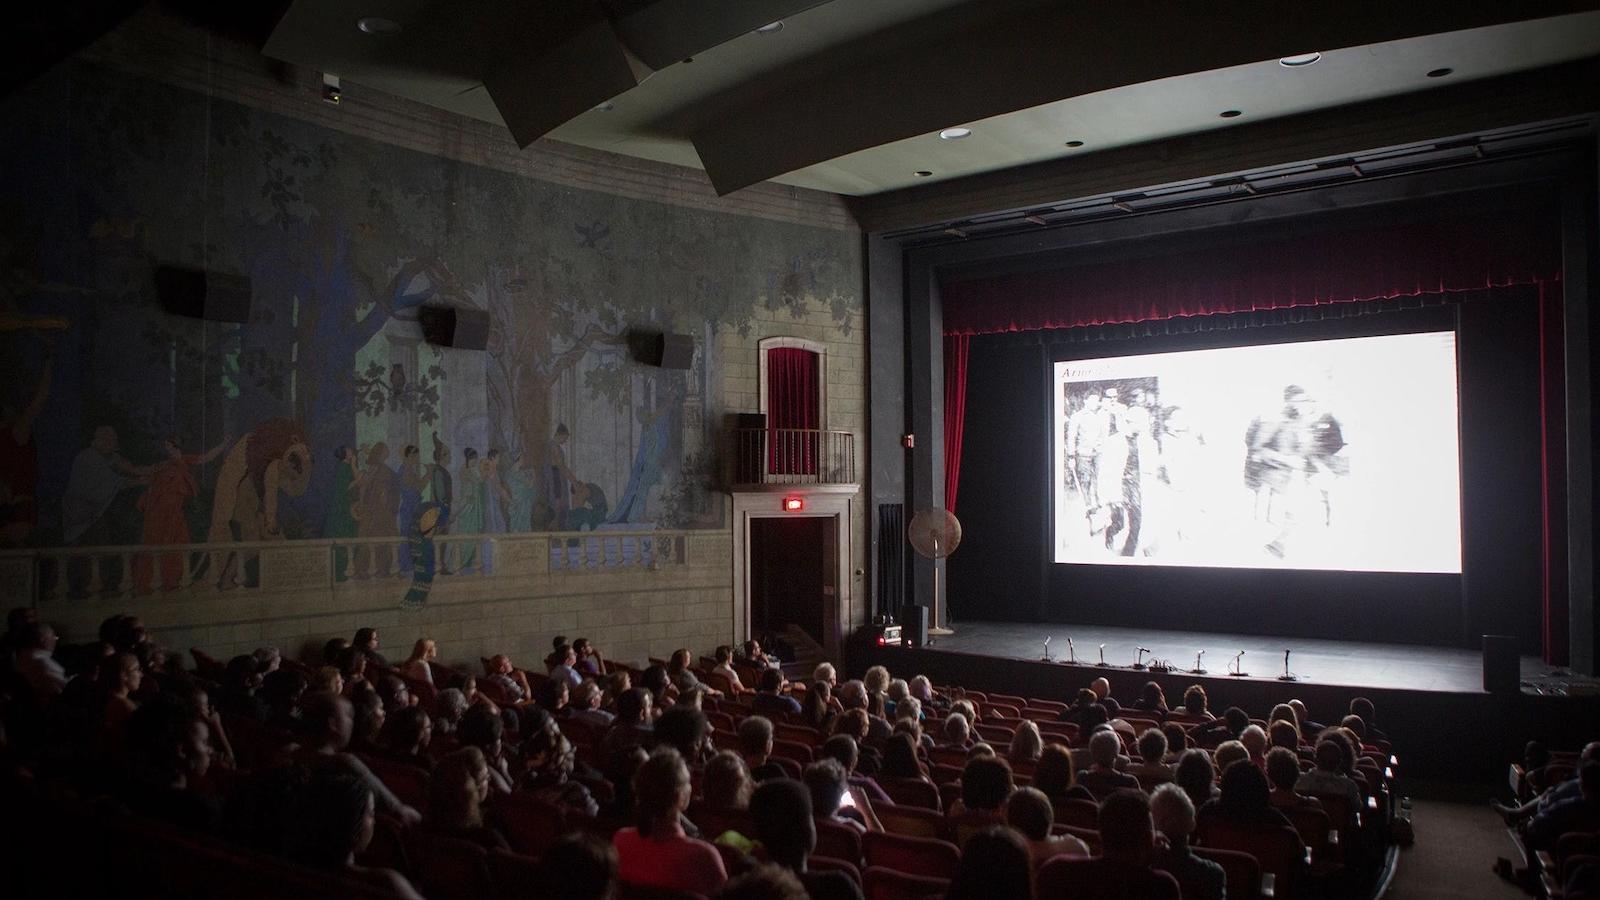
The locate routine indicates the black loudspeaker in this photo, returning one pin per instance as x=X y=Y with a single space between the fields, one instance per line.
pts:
x=447 y=326
x=674 y=351
x=914 y=619
x=198 y=294
x=1502 y=668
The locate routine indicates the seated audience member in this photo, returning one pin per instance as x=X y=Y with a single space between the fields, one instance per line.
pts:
x=1151 y=768
x=1102 y=777
x=781 y=813
x=1328 y=779
x=995 y=862
x=1102 y=693
x=922 y=689
x=1228 y=728
x=1306 y=725
x=1245 y=801
x=655 y=852
x=1255 y=744
x=763 y=881
x=1228 y=753
x=406 y=736
x=1123 y=871
x=332 y=821
x=240 y=681
x=457 y=791
x=17 y=622
x=723 y=656
x=726 y=784
x=335 y=651
x=416 y=665
x=1084 y=699
x=35 y=661
x=268 y=659
x=686 y=731
x=370 y=718
x=617 y=684
x=1174 y=818
x=634 y=726
x=985 y=785
x=1057 y=778
x=1026 y=743
x=1363 y=708
x=682 y=676
x=512 y=682
x=1355 y=726
x=1029 y=811
x=1580 y=813
x=1536 y=757
x=1194 y=702
x=120 y=677
x=548 y=760
x=1283 y=772
x=590 y=664
x=751 y=652
x=816 y=710
x=483 y=728
x=394 y=693
x=327 y=680
x=829 y=786
x=825 y=673
x=281 y=692
x=957 y=732
x=552 y=696
x=169 y=753
x=1284 y=734
x=755 y=744
x=1283 y=712
x=876 y=681
x=1196 y=776
x=366 y=643
x=1151 y=698
x=578 y=866
x=769 y=695
x=448 y=708
x=655 y=681
x=585 y=705
x=900 y=758
x=1177 y=741
x=855 y=723
x=328 y=722
x=842 y=747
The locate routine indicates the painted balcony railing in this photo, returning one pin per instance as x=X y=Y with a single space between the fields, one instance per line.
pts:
x=793 y=456
x=59 y=573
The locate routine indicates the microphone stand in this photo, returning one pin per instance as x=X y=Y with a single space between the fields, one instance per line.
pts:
x=1138 y=661
x=1238 y=666
x=1102 y=661
x=1047 y=648
x=1198 y=669
x=1072 y=656
x=1287 y=675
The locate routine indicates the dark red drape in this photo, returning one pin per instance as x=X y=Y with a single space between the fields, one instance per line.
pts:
x=956 y=348
x=792 y=403
x=1553 y=471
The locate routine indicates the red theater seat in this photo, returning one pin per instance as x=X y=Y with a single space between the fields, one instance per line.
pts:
x=887 y=884
x=925 y=856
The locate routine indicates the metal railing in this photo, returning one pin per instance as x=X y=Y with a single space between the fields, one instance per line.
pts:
x=793 y=456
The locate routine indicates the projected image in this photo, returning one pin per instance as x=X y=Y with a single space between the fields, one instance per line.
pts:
x=1335 y=454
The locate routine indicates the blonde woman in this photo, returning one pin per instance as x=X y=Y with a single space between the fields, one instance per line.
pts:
x=416 y=666
x=1026 y=744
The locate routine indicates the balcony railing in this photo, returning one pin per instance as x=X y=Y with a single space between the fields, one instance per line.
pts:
x=793 y=456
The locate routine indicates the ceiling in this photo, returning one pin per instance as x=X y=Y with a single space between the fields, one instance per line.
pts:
x=848 y=96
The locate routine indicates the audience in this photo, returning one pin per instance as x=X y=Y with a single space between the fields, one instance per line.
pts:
x=782 y=815
x=1029 y=811
x=578 y=866
x=1194 y=703
x=723 y=656
x=1283 y=773
x=365 y=643
x=755 y=743
x=769 y=694
x=332 y=822
x=457 y=791
x=726 y=784
x=1152 y=769
x=1328 y=779
x=329 y=721
x=655 y=852
x=1026 y=743
x=1196 y=776
x=1123 y=870
x=1056 y=777
x=416 y=666
x=1174 y=817
x=995 y=862
x=1102 y=777
x=985 y=785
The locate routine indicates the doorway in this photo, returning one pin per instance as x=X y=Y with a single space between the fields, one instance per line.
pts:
x=792 y=572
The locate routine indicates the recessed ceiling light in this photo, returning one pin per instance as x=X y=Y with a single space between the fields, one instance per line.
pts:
x=607 y=106
x=770 y=28
x=954 y=134
x=1299 y=59
x=1230 y=114
x=378 y=25
x=1440 y=73
x=1074 y=144
x=922 y=173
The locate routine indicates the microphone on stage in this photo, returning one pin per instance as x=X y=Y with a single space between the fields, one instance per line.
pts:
x=1238 y=665
x=1047 y=648
x=1072 y=656
x=1102 y=654
x=1197 y=670
x=1138 y=661
x=1287 y=675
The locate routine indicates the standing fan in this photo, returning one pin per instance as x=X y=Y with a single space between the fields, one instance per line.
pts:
x=935 y=533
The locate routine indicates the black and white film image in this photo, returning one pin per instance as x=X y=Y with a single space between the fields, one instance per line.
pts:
x=1339 y=454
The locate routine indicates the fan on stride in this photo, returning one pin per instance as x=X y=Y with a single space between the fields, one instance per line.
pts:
x=935 y=533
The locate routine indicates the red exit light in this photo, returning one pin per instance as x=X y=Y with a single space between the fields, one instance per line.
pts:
x=793 y=504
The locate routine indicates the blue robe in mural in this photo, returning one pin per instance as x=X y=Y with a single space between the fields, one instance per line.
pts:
x=468 y=514
x=428 y=522
x=411 y=482
x=646 y=472
x=519 y=481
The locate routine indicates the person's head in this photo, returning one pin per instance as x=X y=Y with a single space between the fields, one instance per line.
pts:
x=268 y=659
x=633 y=706
x=19 y=617
x=1177 y=737
x=815 y=705
x=1194 y=699
x=333 y=651
x=755 y=738
x=876 y=680
x=1238 y=720
x=1028 y=810
x=547 y=755
x=481 y=727
x=781 y=811
x=1195 y=775
x=1300 y=713
x=1054 y=772
x=1126 y=832
x=585 y=695
x=1330 y=756
x=450 y=706
x=281 y=690
x=1104 y=748
x=1285 y=713
x=369 y=716
x=423 y=650
x=852 y=695
x=167 y=743
x=1244 y=789
x=1535 y=755
x=912 y=727
x=660 y=789
x=1361 y=706
x=241 y=676
x=764 y=881
x=1026 y=742
x=410 y=730
x=553 y=694
x=1172 y=813
x=394 y=693
x=1152 y=745
x=353 y=665
x=922 y=688
x=37 y=635
x=723 y=654
x=986 y=783
x=121 y=673
x=726 y=782
x=327 y=679
x=104 y=439
x=582 y=648
x=684 y=730
x=1283 y=734
x=956 y=729
x=1151 y=696
x=1347 y=747
x=1355 y=725
x=1101 y=688
x=457 y=789
x=654 y=680
x=843 y=748
x=332 y=820
x=578 y=866
x=1228 y=753
x=824 y=672
x=1254 y=741
x=1093 y=716
x=900 y=757
x=564 y=655
x=898 y=690
x=994 y=863
x=826 y=780
x=1283 y=768
x=771 y=681
x=853 y=722
x=366 y=640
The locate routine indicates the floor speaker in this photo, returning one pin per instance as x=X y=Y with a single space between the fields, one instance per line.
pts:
x=1502 y=668
x=914 y=621
x=449 y=326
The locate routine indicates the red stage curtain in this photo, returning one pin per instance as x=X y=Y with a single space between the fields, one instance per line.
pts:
x=792 y=402
x=1553 y=471
x=956 y=349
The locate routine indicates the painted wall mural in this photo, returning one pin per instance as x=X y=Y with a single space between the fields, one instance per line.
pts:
x=326 y=415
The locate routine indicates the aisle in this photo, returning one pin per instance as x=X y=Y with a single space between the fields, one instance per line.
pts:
x=1458 y=838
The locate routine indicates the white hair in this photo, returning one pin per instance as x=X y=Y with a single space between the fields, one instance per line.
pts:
x=1172 y=811
x=824 y=672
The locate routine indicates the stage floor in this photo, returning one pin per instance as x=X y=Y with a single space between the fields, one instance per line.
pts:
x=1353 y=663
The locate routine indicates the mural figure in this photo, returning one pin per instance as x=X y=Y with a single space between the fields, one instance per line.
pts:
x=496 y=500
x=376 y=512
x=519 y=483
x=99 y=474
x=411 y=481
x=340 y=522
x=589 y=507
x=172 y=484
x=430 y=518
x=19 y=463
x=557 y=476
x=441 y=491
x=468 y=518
x=272 y=459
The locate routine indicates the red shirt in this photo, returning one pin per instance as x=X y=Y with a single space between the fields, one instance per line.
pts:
x=669 y=860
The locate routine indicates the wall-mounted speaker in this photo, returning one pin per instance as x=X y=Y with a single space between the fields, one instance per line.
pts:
x=674 y=351
x=447 y=326
x=199 y=294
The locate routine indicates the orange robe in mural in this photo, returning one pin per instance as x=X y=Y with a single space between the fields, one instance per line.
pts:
x=171 y=485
